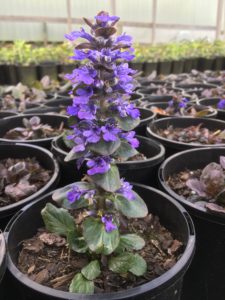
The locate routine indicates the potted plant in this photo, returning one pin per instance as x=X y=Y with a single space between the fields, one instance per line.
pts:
x=195 y=178
x=216 y=103
x=37 y=129
x=27 y=171
x=178 y=134
x=108 y=206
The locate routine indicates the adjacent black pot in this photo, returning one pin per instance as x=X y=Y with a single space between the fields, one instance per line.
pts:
x=11 y=74
x=205 y=278
x=205 y=64
x=151 y=91
x=139 y=66
x=146 y=117
x=166 y=287
x=45 y=158
x=144 y=170
x=219 y=63
x=3 y=74
x=149 y=67
x=213 y=102
x=12 y=122
x=212 y=113
x=49 y=69
x=190 y=88
x=164 y=67
x=188 y=65
x=174 y=146
x=2 y=257
x=177 y=66
x=5 y=114
x=27 y=74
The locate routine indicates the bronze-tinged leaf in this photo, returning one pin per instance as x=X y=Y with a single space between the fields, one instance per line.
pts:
x=52 y=239
x=85 y=46
x=88 y=22
x=33 y=245
x=105 y=32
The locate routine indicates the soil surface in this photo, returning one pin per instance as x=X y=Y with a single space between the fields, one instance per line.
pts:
x=46 y=259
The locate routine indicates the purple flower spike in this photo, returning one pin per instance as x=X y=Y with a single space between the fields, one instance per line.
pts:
x=79 y=34
x=126 y=190
x=107 y=220
x=221 y=104
x=98 y=165
x=110 y=132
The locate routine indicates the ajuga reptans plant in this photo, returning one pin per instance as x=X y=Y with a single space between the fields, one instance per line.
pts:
x=102 y=119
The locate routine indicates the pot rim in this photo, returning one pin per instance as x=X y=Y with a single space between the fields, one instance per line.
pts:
x=42 y=189
x=195 y=145
x=154 y=284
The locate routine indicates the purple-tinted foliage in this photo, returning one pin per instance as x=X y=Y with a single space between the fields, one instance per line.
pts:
x=107 y=220
x=211 y=182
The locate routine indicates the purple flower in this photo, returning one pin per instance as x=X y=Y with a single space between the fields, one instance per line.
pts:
x=93 y=134
x=98 y=165
x=110 y=132
x=76 y=193
x=221 y=104
x=80 y=54
x=129 y=136
x=82 y=74
x=107 y=220
x=170 y=103
x=126 y=190
x=182 y=104
x=72 y=110
x=87 y=111
x=79 y=34
x=123 y=39
x=103 y=18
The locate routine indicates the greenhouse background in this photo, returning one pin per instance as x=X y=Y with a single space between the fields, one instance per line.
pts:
x=147 y=20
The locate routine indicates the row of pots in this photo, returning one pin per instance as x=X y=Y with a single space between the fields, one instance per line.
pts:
x=167 y=286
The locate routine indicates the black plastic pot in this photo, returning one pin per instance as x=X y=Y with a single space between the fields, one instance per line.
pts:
x=146 y=83
x=2 y=257
x=177 y=66
x=149 y=67
x=27 y=74
x=45 y=158
x=212 y=113
x=205 y=278
x=139 y=66
x=188 y=65
x=11 y=74
x=174 y=146
x=190 y=88
x=5 y=114
x=163 y=98
x=205 y=64
x=3 y=75
x=213 y=102
x=146 y=117
x=143 y=171
x=16 y=121
x=219 y=63
x=151 y=91
x=49 y=69
x=66 y=68
x=165 y=287
x=164 y=67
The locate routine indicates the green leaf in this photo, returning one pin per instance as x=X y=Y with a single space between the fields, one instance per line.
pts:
x=68 y=143
x=121 y=263
x=127 y=123
x=92 y=270
x=72 y=120
x=130 y=241
x=57 y=220
x=97 y=239
x=76 y=243
x=72 y=155
x=125 y=151
x=81 y=285
x=60 y=195
x=139 y=265
x=131 y=208
x=109 y=181
x=105 y=148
